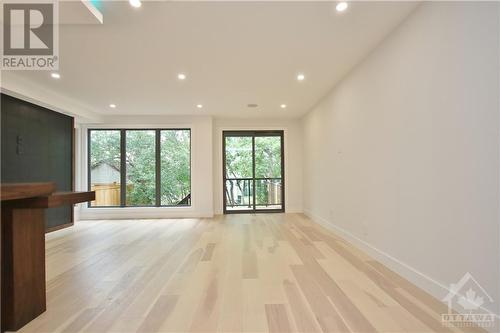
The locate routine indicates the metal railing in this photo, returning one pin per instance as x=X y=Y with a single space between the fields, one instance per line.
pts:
x=245 y=192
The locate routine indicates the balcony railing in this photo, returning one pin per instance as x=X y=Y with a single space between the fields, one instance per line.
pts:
x=242 y=192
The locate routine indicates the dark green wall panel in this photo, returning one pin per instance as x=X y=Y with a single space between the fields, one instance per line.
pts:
x=37 y=147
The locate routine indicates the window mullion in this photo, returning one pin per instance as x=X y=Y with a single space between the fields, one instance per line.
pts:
x=123 y=168
x=158 y=168
x=253 y=170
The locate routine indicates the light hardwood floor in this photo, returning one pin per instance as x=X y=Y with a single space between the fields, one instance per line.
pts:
x=235 y=273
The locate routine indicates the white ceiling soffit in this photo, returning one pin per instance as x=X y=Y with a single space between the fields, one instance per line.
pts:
x=79 y=12
x=233 y=54
x=74 y=12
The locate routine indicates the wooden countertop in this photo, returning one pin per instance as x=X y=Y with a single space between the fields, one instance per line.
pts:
x=15 y=191
x=55 y=199
x=41 y=195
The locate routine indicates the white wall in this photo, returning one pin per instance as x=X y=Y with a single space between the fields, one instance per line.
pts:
x=293 y=156
x=402 y=157
x=201 y=167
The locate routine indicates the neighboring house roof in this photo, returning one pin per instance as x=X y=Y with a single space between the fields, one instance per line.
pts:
x=106 y=163
x=105 y=173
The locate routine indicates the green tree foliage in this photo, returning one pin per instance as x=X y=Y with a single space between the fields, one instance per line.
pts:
x=268 y=157
x=239 y=157
x=175 y=166
x=140 y=167
x=105 y=148
x=140 y=161
x=239 y=165
x=267 y=165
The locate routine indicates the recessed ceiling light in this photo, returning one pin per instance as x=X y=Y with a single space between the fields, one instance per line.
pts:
x=135 y=3
x=112 y=106
x=199 y=106
x=55 y=75
x=300 y=77
x=342 y=6
x=283 y=106
x=181 y=76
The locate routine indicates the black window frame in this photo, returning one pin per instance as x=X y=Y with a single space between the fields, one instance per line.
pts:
x=253 y=179
x=123 y=168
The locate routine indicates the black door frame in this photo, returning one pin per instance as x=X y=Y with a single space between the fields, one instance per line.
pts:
x=253 y=135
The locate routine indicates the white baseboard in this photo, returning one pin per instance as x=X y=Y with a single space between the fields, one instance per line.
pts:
x=421 y=280
x=121 y=213
x=294 y=210
x=85 y=213
x=291 y=210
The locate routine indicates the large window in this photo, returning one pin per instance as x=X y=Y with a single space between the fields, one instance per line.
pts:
x=140 y=167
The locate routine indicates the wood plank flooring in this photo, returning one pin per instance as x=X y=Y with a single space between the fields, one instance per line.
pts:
x=234 y=273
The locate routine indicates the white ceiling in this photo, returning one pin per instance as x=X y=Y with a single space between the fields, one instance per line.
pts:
x=234 y=53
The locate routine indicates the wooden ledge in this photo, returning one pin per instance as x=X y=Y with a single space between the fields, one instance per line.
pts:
x=15 y=191
x=55 y=199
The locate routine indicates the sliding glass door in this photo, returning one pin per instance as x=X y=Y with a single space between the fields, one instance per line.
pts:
x=253 y=171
